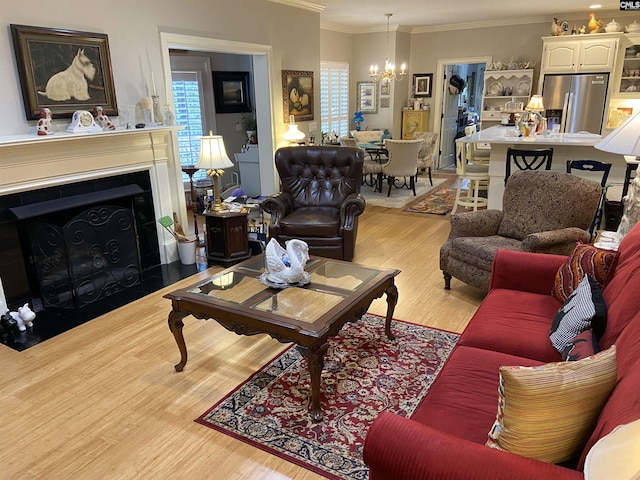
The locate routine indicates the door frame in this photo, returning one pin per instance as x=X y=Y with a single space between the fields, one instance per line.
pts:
x=439 y=90
x=262 y=67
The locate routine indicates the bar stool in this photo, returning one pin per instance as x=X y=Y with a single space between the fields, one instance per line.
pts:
x=528 y=159
x=478 y=177
x=632 y=165
x=474 y=154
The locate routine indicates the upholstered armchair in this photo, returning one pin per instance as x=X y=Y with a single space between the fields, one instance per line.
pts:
x=542 y=211
x=320 y=199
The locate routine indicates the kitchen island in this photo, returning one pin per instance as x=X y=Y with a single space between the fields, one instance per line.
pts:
x=566 y=146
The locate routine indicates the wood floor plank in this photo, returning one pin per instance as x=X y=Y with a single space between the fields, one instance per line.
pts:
x=103 y=400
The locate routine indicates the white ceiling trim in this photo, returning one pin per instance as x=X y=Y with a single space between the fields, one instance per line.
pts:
x=314 y=7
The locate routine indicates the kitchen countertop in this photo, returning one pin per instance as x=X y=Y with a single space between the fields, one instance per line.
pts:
x=499 y=134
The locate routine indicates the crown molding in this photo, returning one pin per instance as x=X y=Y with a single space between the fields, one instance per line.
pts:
x=313 y=7
x=337 y=27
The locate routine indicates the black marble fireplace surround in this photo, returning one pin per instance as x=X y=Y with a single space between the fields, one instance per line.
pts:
x=77 y=251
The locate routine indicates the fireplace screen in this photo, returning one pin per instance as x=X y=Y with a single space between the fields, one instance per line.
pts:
x=92 y=256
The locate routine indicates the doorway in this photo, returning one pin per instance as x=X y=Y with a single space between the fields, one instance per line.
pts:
x=453 y=107
x=261 y=62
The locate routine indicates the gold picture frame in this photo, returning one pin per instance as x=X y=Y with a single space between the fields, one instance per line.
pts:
x=297 y=95
x=63 y=70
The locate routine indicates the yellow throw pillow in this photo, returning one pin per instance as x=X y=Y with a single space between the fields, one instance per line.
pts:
x=547 y=412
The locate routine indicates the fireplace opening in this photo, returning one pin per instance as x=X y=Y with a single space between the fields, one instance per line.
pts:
x=77 y=251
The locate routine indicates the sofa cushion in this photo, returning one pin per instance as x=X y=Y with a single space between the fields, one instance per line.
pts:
x=616 y=456
x=368 y=136
x=581 y=346
x=480 y=251
x=462 y=400
x=584 y=260
x=514 y=322
x=622 y=407
x=583 y=309
x=547 y=412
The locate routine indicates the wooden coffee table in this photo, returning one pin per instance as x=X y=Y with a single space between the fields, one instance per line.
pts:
x=308 y=316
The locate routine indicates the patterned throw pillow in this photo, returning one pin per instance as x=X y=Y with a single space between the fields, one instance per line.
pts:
x=547 y=412
x=585 y=259
x=581 y=346
x=584 y=309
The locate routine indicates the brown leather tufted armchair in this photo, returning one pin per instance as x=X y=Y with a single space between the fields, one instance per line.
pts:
x=320 y=199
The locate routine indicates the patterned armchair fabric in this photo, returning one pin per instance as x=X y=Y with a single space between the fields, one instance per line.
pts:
x=320 y=199
x=542 y=211
x=427 y=151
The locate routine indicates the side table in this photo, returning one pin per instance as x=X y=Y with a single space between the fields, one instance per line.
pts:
x=227 y=237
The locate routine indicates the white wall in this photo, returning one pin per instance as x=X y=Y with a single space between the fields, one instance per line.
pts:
x=133 y=27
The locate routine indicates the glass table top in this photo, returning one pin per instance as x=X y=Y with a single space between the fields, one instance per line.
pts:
x=331 y=282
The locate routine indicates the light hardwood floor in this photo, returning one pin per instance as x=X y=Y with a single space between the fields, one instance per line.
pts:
x=103 y=401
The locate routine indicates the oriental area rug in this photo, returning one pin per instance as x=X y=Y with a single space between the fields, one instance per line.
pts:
x=438 y=203
x=364 y=374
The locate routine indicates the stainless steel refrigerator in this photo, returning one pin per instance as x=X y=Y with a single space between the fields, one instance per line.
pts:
x=575 y=101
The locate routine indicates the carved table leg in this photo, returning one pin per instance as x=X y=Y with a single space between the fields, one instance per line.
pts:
x=392 y=300
x=175 y=325
x=315 y=359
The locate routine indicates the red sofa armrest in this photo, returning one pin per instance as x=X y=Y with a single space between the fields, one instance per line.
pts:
x=525 y=271
x=397 y=448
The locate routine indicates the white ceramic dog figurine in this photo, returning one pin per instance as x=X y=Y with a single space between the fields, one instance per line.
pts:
x=72 y=82
x=24 y=317
x=102 y=119
x=44 y=124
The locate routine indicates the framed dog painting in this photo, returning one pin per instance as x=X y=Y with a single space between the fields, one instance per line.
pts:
x=63 y=70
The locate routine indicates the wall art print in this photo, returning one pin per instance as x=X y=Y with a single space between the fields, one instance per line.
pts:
x=63 y=70
x=297 y=95
x=422 y=84
x=231 y=92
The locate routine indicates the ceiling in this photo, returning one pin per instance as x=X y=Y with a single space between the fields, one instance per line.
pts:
x=359 y=16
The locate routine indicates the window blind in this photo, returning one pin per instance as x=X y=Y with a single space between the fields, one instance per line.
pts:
x=334 y=97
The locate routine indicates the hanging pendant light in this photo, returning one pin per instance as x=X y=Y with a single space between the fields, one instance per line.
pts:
x=389 y=73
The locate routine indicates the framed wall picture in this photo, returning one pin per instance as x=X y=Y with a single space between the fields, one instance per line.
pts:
x=367 y=97
x=231 y=92
x=422 y=84
x=384 y=102
x=63 y=70
x=297 y=95
x=385 y=89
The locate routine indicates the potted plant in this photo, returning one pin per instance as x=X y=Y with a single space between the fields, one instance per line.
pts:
x=251 y=127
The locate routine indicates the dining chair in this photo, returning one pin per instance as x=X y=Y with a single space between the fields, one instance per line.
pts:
x=593 y=166
x=428 y=150
x=477 y=177
x=403 y=162
x=533 y=159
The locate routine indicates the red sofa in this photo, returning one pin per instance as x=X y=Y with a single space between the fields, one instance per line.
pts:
x=445 y=438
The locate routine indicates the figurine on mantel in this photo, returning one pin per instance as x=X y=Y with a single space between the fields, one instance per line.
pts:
x=102 y=119
x=44 y=124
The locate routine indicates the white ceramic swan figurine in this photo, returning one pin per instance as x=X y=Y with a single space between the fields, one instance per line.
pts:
x=287 y=266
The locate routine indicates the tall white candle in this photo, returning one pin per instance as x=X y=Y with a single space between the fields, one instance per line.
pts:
x=153 y=85
x=3 y=300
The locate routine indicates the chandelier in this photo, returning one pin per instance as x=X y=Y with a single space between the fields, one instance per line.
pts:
x=389 y=74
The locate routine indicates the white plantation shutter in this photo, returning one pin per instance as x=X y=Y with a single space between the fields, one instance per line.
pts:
x=334 y=97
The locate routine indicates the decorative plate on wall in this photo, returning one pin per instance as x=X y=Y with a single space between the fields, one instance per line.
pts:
x=495 y=89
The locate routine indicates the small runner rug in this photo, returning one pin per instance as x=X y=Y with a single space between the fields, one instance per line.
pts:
x=438 y=203
x=364 y=373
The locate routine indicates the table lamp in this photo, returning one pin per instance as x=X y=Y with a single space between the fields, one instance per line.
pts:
x=625 y=140
x=293 y=135
x=535 y=107
x=213 y=157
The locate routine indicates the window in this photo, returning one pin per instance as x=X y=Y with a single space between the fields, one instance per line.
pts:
x=187 y=101
x=334 y=97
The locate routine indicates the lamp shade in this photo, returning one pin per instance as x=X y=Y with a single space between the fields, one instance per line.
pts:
x=213 y=155
x=624 y=140
x=358 y=118
x=535 y=104
x=293 y=134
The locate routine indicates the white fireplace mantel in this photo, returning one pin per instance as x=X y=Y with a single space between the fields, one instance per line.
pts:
x=30 y=162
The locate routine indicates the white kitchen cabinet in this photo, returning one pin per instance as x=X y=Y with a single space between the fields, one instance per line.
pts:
x=629 y=67
x=580 y=53
x=500 y=87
